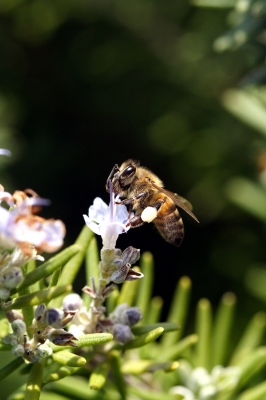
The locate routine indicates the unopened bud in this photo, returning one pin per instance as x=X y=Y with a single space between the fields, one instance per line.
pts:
x=4 y=293
x=120 y=275
x=61 y=337
x=18 y=350
x=133 y=315
x=53 y=317
x=19 y=327
x=72 y=302
x=122 y=333
x=12 y=278
x=39 y=312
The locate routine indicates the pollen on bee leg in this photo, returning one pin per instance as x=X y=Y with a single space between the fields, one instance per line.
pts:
x=149 y=214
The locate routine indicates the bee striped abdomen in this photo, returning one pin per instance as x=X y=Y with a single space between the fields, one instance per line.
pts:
x=170 y=224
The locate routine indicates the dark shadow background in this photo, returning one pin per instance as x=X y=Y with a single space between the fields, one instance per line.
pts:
x=87 y=84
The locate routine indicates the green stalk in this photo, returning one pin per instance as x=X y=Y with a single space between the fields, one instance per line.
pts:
x=28 y=312
x=91 y=268
x=33 y=388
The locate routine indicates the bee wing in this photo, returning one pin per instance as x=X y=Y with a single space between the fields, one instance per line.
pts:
x=178 y=200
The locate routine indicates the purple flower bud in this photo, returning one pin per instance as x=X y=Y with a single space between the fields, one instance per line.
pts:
x=61 y=338
x=120 y=275
x=72 y=302
x=122 y=333
x=39 y=312
x=53 y=317
x=133 y=315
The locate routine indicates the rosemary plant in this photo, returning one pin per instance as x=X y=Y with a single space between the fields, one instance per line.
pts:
x=103 y=344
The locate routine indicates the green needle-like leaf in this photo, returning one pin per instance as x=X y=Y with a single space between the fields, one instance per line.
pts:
x=143 y=394
x=33 y=299
x=146 y=284
x=222 y=328
x=167 y=326
x=257 y=392
x=75 y=387
x=129 y=291
x=71 y=268
x=178 y=349
x=144 y=339
x=251 y=338
x=138 y=367
x=87 y=340
x=115 y=361
x=203 y=330
x=10 y=367
x=178 y=311
x=98 y=376
x=60 y=373
x=92 y=261
x=66 y=358
x=155 y=310
x=48 y=267
x=4 y=347
x=251 y=365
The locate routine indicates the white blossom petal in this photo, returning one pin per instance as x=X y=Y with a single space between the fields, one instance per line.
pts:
x=107 y=221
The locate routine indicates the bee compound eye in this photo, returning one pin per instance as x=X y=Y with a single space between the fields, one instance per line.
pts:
x=128 y=171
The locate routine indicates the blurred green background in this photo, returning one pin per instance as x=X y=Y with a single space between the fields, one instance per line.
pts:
x=179 y=86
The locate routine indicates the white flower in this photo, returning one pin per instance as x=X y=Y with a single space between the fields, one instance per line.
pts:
x=19 y=227
x=107 y=221
x=4 y=152
x=183 y=392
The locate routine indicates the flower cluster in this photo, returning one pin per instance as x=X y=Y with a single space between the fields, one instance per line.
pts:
x=118 y=323
x=199 y=384
x=115 y=264
x=22 y=235
x=122 y=318
x=47 y=326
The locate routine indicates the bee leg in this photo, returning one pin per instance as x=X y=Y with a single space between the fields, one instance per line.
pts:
x=135 y=221
x=110 y=177
x=157 y=204
x=131 y=200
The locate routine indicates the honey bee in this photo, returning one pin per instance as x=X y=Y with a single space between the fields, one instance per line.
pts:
x=143 y=194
